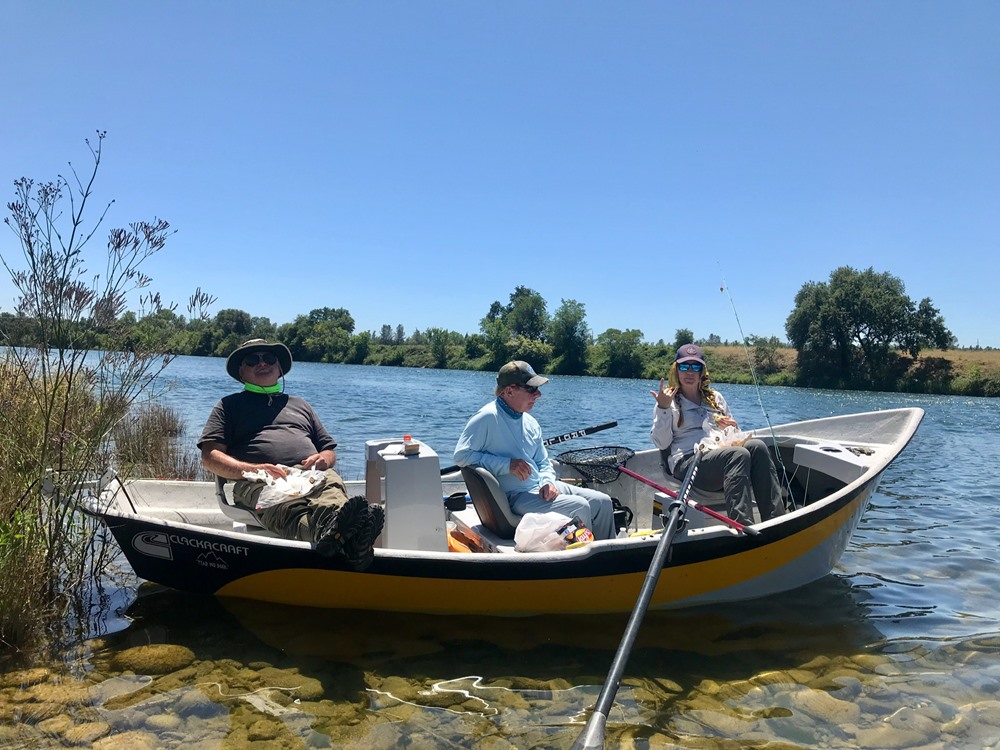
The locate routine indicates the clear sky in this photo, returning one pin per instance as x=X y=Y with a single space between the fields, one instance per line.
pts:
x=415 y=161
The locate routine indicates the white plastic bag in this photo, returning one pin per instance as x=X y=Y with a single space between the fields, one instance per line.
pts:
x=298 y=483
x=721 y=437
x=539 y=532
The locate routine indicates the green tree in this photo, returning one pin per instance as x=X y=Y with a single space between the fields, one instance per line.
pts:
x=526 y=314
x=231 y=328
x=262 y=328
x=765 y=354
x=155 y=330
x=570 y=338
x=475 y=346
x=537 y=353
x=847 y=331
x=439 y=338
x=361 y=345
x=683 y=336
x=324 y=335
x=496 y=339
x=619 y=353
x=496 y=312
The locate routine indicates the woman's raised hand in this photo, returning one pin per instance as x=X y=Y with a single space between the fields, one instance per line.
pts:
x=664 y=396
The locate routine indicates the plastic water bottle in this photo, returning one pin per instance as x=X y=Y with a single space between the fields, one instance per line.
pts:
x=410 y=446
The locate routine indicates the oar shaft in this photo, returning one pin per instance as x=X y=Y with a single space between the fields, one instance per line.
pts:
x=606 y=698
x=592 y=737
x=697 y=506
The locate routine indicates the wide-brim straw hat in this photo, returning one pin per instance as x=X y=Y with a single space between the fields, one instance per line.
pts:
x=258 y=345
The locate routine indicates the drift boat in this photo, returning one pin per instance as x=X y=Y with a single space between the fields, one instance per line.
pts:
x=436 y=556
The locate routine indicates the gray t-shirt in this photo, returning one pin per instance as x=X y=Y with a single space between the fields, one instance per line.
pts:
x=259 y=428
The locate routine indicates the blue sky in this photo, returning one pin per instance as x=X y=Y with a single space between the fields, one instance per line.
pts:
x=414 y=161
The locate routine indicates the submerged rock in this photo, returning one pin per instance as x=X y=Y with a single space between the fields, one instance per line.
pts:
x=128 y=741
x=24 y=678
x=156 y=658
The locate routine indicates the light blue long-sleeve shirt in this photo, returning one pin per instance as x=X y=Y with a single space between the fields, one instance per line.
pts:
x=494 y=435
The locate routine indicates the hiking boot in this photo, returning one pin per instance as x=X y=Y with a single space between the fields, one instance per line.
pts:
x=378 y=518
x=359 y=550
x=333 y=527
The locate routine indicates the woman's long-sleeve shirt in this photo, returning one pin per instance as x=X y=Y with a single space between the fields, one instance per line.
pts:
x=679 y=441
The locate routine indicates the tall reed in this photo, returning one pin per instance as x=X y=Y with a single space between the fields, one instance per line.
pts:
x=149 y=443
x=62 y=398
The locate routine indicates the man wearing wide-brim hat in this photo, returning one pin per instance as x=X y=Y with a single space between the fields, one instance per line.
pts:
x=261 y=432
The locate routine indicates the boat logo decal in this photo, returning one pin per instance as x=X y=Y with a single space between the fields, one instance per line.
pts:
x=212 y=560
x=154 y=544
x=211 y=553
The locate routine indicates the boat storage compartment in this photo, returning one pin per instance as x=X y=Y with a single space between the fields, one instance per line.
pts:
x=831 y=459
x=410 y=488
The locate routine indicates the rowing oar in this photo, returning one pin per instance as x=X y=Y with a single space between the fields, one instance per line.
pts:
x=554 y=440
x=603 y=463
x=593 y=734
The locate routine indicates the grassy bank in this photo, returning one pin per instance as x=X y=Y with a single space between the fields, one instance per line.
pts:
x=960 y=372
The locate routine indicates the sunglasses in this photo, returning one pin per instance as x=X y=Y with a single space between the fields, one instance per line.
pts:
x=693 y=366
x=531 y=390
x=251 y=360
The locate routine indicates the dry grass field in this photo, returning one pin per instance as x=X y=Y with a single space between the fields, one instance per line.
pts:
x=970 y=372
x=966 y=359
x=962 y=360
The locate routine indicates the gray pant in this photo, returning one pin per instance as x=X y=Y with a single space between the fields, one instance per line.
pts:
x=290 y=519
x=592 y=507
x=743 y=474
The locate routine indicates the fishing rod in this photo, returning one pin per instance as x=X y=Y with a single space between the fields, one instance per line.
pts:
x=756 y=385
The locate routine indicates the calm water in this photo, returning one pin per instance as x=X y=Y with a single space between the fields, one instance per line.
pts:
x=905 y=631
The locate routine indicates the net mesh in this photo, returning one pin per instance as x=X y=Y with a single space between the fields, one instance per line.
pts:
x=600 y=464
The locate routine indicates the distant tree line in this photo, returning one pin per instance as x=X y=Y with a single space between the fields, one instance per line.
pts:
x=858 y=330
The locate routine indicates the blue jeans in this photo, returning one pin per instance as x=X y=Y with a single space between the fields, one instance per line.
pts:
x=592 y=507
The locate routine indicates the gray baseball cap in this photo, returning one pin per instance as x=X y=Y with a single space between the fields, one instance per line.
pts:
x=519 y=373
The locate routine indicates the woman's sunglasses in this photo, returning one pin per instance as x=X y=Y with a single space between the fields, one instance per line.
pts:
x=251 y=360
x=530 y=389
x=693 y=366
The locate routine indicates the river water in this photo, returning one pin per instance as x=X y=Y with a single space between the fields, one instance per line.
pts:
x=899 y=647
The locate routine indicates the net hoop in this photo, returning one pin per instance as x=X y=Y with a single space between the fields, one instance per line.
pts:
x=600 y=464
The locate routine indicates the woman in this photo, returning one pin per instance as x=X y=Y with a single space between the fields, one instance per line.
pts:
x=685 y=412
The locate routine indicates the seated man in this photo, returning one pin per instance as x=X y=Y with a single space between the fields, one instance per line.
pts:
x=507 y=441
x=263 y=429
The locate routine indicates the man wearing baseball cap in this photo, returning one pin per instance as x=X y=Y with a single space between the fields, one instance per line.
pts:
x=506 y=440
x=261 y=428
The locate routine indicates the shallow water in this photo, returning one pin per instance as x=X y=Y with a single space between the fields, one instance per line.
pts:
x=899 y=647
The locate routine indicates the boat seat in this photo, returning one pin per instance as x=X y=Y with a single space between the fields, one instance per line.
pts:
x=490 y=501
x=233 y=511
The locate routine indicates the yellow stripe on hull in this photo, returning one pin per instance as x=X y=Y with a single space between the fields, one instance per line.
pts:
x=719 y=579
